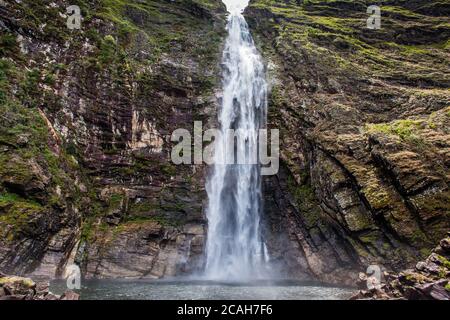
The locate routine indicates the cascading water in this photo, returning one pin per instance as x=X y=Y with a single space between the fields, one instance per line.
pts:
x=235 y=250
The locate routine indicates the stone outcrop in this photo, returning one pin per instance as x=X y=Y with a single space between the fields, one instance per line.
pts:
x=18 y=288
x=429 y=280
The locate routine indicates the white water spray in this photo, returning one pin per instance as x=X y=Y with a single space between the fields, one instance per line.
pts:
x=235 y=250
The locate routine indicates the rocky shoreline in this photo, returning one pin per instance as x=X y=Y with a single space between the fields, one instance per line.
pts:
x=19 y=288
x=429 y=280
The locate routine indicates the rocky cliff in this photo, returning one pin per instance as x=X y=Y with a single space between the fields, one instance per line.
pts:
x=364 y=118
x=85 y=122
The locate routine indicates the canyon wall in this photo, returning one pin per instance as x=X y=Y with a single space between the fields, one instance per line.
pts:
x=86 y=120
x=364 y=125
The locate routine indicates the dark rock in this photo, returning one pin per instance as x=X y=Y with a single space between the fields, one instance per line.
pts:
x=18 y=288
x=70 y=295
x=445 y=245
x=50 y=296
x=439 y=292
x=362 y=281
x=13 y=297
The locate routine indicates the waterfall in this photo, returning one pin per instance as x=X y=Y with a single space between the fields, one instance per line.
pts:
x=234 y=248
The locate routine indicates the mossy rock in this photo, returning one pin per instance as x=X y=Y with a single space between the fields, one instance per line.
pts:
x=18 y=285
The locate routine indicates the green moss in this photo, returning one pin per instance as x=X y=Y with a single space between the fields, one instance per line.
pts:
x=447 y=287
x=113 y=10
x=49 y=79
x=160 y=219
x=445 y=262
x=29 y=89
x=407 y=130
x=115 y=201
x=377 y=196
x=5 y=68
x=27 y=282
x=145 y=207
x=369 y=238
x=169 y=169
x=305 y=199
x=16 y=164
x=418 y=237
x=108 y=50
x=401 y=11
x=435 y=203
x=17 y=213
x=278 y=99
x=8 y=44
x=424 y=252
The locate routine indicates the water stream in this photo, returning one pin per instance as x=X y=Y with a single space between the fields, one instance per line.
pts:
x=234 y=249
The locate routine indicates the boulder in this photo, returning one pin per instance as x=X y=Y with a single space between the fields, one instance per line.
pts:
x=70 y=295
x=19 y=288
x=13 y=285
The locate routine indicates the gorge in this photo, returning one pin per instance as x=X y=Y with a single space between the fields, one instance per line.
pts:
x=86 y=117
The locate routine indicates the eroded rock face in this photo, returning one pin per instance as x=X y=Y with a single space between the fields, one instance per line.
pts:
x=87 y=115
x=363 y=118
x=144 y=250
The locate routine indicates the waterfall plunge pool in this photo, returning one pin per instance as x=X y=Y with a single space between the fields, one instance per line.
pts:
x=203 y=290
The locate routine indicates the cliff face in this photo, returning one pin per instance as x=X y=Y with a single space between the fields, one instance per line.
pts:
x=364 y=122
x=85 y=123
